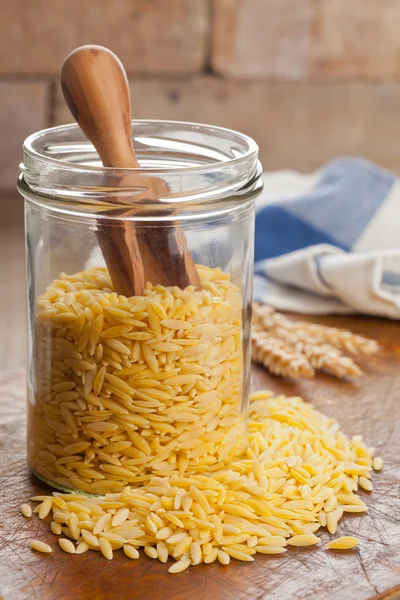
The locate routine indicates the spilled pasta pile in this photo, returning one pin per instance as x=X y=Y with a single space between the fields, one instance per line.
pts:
x=126 y=388
x=299 y=473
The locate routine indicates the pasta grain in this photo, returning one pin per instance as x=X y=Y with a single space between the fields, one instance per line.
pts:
x=343 y=543
x=40 y=546
x=26 y=510
x=67 y=545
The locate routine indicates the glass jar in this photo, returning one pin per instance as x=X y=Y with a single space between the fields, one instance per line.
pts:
x=122 y=387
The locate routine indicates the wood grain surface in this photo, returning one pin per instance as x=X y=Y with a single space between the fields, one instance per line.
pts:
x=372 y=571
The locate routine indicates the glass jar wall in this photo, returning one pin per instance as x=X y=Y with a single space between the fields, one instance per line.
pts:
x=122 y=387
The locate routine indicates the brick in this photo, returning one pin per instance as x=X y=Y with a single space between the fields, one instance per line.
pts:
x=357 y=38
x=303 y=39
x=23 y=110
x=296 y=125
x=154 y=36
x=259 y=38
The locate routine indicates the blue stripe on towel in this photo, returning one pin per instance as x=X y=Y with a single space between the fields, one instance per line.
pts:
x=391 y=278
x=278 y=232
x=345 y=199
x=337 y=211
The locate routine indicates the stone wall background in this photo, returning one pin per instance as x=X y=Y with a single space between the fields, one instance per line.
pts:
x=308 y=79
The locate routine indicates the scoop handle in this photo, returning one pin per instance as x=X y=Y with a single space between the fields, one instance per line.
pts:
x=96 y=89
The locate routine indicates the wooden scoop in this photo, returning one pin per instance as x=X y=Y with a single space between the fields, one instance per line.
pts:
x=96 y=89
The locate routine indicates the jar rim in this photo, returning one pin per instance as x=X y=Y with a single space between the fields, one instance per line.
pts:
x=28 y=147
x=196 y=164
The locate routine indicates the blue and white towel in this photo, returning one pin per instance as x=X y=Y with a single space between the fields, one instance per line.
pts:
x=330 y=242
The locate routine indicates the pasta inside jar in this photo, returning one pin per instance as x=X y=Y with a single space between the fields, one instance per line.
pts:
x=127 y=388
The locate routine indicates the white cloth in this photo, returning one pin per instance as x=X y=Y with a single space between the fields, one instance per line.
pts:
x=324 y=278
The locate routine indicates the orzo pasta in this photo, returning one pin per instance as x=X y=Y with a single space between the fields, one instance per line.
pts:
x=298 y=473
x=127 y=388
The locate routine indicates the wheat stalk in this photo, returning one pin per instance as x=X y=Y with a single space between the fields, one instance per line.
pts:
x=329 y=359
x=297 y=348
x=278 y=357
x=301 y=331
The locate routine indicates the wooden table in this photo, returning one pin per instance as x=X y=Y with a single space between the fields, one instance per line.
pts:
x=372 y=571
